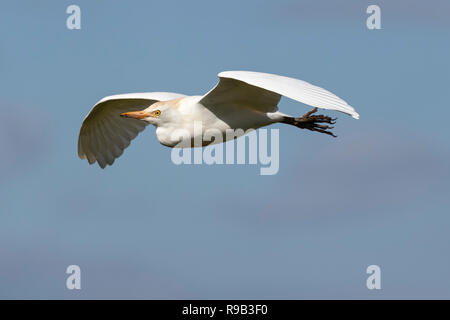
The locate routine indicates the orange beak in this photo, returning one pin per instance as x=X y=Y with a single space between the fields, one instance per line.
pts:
x=136 y=114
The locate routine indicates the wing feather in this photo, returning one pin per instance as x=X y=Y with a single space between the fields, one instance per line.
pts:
x=104 y=135
x=274 y=86
x=107 y=155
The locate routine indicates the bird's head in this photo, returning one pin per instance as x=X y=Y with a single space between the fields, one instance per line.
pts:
x=155 y=114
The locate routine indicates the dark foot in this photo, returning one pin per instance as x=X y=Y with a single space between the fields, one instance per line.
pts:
x=310 y=122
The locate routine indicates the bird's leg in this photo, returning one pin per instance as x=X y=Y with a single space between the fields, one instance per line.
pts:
x=312 y=122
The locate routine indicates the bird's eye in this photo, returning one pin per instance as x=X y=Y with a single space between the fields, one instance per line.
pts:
x=157 y=113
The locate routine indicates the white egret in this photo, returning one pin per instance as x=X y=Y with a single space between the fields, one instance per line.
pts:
x=241 y=100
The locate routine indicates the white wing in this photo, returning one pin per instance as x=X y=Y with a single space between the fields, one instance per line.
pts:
x=104 y=134
x=264 y=91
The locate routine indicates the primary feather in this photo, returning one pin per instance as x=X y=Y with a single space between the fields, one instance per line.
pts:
x=104 y=134
x=295 y=89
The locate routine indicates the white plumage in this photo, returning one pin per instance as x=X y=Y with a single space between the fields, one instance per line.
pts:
x=241 y=100
x=295 y=89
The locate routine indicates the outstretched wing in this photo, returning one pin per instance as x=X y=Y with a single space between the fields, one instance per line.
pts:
x=104 y=134
x=263 y=91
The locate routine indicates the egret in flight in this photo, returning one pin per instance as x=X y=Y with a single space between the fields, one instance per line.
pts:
x=241 y=100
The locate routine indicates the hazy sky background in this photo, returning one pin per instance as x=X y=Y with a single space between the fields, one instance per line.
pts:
x=145 y=228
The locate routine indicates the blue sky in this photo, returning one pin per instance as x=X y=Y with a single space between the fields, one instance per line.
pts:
x=145 y=228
